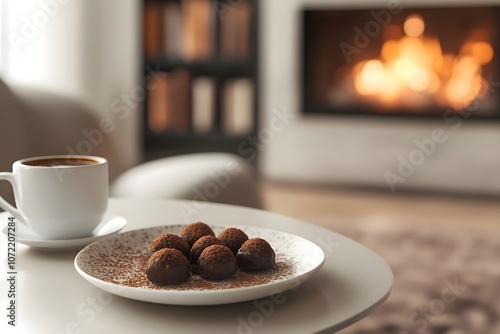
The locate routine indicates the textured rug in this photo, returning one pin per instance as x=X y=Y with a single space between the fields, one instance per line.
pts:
x=446 y=281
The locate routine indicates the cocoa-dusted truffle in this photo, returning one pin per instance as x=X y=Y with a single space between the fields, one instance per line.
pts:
x=200 y=245
x=169 y=241
x=167 y=266
x=255 y=254
x=233 y=238
x=217 y=262
x=193 y=232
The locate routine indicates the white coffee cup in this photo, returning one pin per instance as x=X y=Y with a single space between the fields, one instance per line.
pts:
x=59 y=197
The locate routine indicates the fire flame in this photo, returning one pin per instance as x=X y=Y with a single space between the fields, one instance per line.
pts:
x=415 y=69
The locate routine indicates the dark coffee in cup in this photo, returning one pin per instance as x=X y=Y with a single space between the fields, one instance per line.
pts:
x=70 y=161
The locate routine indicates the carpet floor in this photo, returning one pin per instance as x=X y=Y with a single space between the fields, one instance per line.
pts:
x=446 y=281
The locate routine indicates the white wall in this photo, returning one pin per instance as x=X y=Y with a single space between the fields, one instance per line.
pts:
x=88 y=50
x=342 y=150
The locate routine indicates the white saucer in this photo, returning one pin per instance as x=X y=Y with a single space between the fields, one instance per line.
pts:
x=110 y=224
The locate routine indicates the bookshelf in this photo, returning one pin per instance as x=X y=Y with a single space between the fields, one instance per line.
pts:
x=200 y=57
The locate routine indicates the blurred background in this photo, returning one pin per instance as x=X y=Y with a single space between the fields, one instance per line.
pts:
x=378 y=119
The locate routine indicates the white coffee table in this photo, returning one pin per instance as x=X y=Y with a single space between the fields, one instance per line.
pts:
x=51 y=297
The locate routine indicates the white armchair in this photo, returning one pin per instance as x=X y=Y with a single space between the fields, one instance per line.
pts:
x=212 y=177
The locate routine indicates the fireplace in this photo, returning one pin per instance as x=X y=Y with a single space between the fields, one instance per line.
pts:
x=418 y=62
x=338 y=138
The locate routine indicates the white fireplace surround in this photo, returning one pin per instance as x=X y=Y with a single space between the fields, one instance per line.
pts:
x=364 y=151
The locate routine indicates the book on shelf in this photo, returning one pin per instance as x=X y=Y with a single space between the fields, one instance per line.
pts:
x=197 y=29
x=179 y=95
x=169 y=102
x=158 y=102
x=152 y=29
x=172 y=30
x=237 y=113
x=203 y=116
x=235 y=30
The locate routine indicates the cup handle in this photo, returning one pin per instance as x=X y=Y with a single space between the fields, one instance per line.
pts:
x=6 y=205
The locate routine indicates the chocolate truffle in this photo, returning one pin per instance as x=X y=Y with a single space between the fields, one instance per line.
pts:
x=169 y=241
x=200 y=245
x=255 y=254
x=193 y=232
x=217 y=262
x=233 y=238
x=167 y=266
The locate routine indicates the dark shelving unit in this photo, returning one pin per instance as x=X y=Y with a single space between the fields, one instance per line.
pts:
x=221 y=70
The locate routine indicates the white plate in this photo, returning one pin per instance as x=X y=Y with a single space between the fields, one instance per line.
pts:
x=110 y=224
x=117 y=265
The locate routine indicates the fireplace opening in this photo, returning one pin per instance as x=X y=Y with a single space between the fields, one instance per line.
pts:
x=416 y=62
